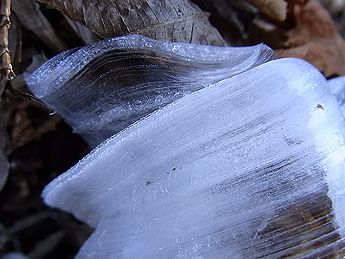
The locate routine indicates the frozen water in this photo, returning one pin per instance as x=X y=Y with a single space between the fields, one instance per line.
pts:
x=102 y=88
x=250 y=167
x=337 y=88
x=14 y=255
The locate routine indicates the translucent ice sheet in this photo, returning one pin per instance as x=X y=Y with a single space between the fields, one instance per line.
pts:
x=251 y=167
x=337 y=88
x=102 y=88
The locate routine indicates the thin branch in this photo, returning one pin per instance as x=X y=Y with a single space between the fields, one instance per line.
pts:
x=5 y=23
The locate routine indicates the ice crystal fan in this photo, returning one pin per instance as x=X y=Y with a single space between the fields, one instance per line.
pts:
x=247 y=161
x=105 y=87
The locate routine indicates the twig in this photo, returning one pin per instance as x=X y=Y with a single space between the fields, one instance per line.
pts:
x=5 y=23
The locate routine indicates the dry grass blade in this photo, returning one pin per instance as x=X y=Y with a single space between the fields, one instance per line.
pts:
x=172 y=20
x=5 y=23
x=32 y=18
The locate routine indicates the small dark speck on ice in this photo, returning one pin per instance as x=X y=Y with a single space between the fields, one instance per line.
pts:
x=319 y=106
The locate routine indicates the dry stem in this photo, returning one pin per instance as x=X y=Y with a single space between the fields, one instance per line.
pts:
x=5 y=23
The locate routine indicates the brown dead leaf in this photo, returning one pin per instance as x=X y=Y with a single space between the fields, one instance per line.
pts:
x=275 y=9
x=23 y=132
x=172 y=20
x=316 y=39
x=82 y=31
x=32 y=18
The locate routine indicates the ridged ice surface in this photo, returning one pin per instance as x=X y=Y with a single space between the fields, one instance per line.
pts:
x=250 y=167
x=102 y=88
x=337 y=88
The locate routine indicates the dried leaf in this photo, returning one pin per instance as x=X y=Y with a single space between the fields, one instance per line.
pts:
x=275 y=9
x=32 y=18
x=24 y=132
x=82 y=31
x=173 y=20
x=231 y=17
x=238 y=21
x=316 y=39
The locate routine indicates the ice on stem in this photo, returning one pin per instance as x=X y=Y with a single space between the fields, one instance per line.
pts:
x=252 y=166
x=104 y=87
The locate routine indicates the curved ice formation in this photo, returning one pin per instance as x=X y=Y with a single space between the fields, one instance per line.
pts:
x=104 y=87
x=250 y=167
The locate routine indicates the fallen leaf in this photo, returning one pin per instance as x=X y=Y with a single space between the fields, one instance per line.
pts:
x=23 y=131
x=315 y=39
x=275 y=9
x=82 y=31
x=32 y=18
x=231 y=17
x=172 y=20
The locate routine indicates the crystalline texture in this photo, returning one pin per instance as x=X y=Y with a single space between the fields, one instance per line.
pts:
x=102 y=88
x=337 y=88
x=250 y=167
